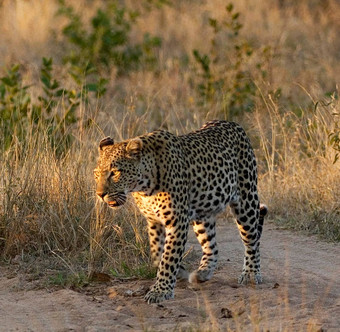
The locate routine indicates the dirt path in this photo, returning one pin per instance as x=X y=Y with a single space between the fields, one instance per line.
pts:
x=301 y=292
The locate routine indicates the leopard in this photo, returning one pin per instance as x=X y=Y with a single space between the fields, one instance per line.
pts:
x=177 y=180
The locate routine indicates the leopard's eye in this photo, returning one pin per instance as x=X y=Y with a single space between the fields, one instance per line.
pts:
x=114 y=173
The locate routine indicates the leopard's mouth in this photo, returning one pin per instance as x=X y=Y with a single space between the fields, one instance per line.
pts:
x=116 y=200
x=114 y=204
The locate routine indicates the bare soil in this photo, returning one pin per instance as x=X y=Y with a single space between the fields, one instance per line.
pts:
x=300 y=292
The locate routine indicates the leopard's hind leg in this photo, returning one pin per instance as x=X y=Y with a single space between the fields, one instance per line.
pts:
x=249 y=218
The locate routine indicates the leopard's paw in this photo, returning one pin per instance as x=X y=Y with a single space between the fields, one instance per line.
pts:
x=154 y=296
x=246 y=278
x=200 y=276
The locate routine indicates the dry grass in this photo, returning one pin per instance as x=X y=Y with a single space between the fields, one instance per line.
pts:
x=47 y=204
x=48 y=209
x=301 y=184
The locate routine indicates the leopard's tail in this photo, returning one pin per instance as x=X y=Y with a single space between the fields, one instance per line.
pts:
x=263 y=213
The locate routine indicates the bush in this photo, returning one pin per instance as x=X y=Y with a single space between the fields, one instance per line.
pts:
x=15 y=104
x=54 y=112
x=227 y=73
x=107 y=41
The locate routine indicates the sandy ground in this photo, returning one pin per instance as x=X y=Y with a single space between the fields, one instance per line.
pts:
x=301 y=292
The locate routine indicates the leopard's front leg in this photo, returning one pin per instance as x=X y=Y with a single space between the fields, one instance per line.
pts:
x=174 y=246
x=156 y=232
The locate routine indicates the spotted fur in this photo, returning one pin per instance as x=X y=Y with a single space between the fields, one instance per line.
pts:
x=178 y=179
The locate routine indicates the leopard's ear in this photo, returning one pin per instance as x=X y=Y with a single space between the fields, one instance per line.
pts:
x=105 y=142
x=134 y=148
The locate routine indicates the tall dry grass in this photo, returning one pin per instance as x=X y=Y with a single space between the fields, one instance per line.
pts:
x=48 y=209
x=48 y=205
x=301 y=182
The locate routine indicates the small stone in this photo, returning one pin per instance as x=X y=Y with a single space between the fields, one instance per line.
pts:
x=226 y=313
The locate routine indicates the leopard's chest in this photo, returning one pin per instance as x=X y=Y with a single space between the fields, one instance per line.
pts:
x=157 y=207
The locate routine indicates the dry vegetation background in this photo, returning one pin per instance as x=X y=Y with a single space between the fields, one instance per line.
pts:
x=272 y=66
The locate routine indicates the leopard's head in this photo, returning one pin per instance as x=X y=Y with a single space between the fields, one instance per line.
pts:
x=118 y=170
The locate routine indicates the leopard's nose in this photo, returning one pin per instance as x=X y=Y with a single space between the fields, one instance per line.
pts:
x=101 y=194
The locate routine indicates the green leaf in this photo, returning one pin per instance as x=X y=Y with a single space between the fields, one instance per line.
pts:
x=2 y=91
x=47 y=62
x=91 y=87
x=8 y=81
x=213 y=23
x=235 y=16
x=229 y=7
x=46 y=81
x=15 y=68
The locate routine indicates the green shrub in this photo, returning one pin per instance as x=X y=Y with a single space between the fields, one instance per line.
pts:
x=107 y=41
x=54 y=112
x=15 y=102
x=225 y=73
